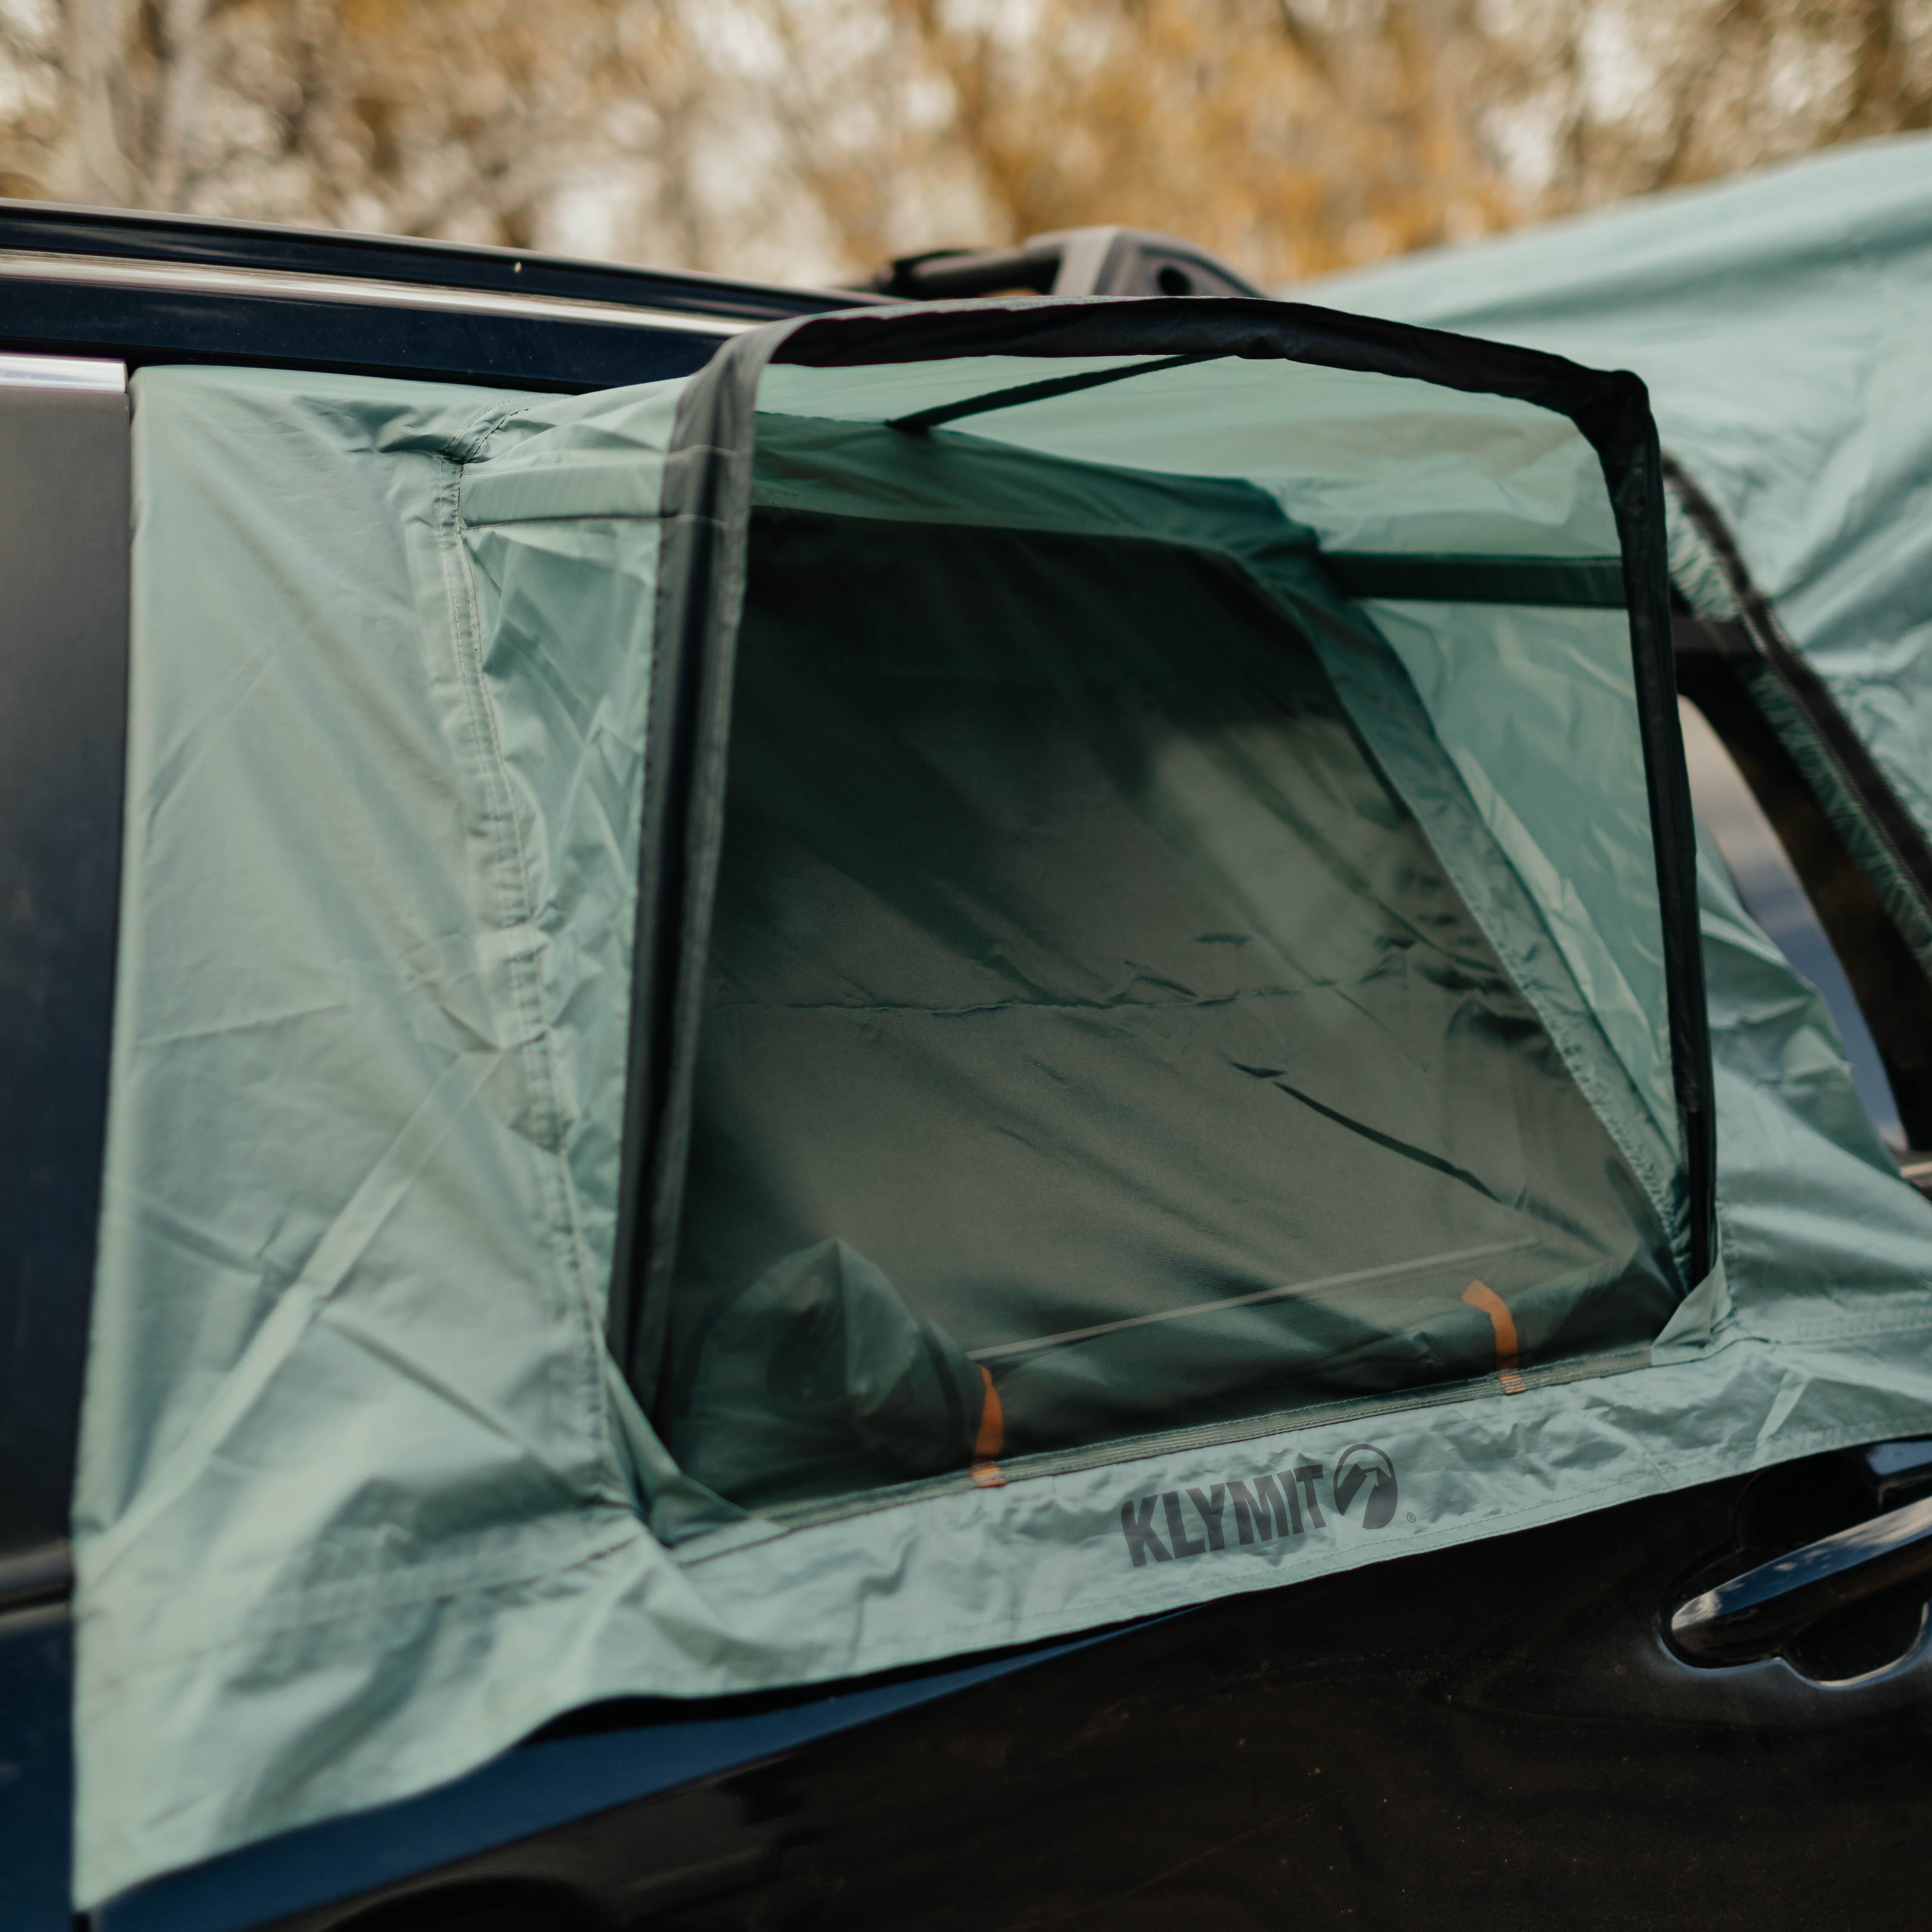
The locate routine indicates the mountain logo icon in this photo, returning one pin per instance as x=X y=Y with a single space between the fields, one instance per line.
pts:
x=1362 y=1463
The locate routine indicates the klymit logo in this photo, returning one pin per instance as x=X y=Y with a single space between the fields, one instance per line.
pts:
x=1260 y=1510
x=1362 y=1462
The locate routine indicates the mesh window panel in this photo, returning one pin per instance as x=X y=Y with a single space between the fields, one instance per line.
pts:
x=1094 y=1046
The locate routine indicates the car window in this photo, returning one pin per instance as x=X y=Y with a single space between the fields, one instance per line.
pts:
x=1768 y=885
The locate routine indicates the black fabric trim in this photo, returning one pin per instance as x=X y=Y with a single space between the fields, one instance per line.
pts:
x=1583 y=583
x=701 y=588
x=921 y=421
x=1198 y=325
x=1633 y=468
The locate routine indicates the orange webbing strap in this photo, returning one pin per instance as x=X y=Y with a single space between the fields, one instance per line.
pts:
x=1478 y=1294
x=992 y=1433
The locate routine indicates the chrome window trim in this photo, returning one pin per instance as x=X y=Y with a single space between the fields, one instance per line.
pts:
x=284 y=284
x=61 y=372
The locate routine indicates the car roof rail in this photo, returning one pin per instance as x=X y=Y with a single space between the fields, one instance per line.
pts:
x=1070 y=261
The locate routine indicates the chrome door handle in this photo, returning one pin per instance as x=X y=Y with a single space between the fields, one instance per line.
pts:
x=1751 y=1615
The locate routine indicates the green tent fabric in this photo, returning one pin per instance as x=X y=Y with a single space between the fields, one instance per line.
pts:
x=430 y=797
x=1779 y=322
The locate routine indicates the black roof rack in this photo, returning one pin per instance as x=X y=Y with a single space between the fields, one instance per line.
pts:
x=1071 y=261
x=129 y=234
x=145 y=287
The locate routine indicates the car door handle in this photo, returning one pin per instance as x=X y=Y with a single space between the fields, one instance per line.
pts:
x=1749 y=1616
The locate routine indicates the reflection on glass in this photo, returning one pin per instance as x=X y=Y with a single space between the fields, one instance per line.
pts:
x=1769 y=888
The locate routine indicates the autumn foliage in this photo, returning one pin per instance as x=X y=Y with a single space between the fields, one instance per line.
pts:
x=814 y=139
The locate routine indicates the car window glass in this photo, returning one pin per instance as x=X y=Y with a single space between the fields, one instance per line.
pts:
x=1769 y=887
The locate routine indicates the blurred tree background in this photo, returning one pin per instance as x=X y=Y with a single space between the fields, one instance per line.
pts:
x=812 y=139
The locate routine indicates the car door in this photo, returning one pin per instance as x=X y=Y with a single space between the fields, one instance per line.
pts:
x=1506 y=1729
x=1502 y=1734
x=63 y=671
